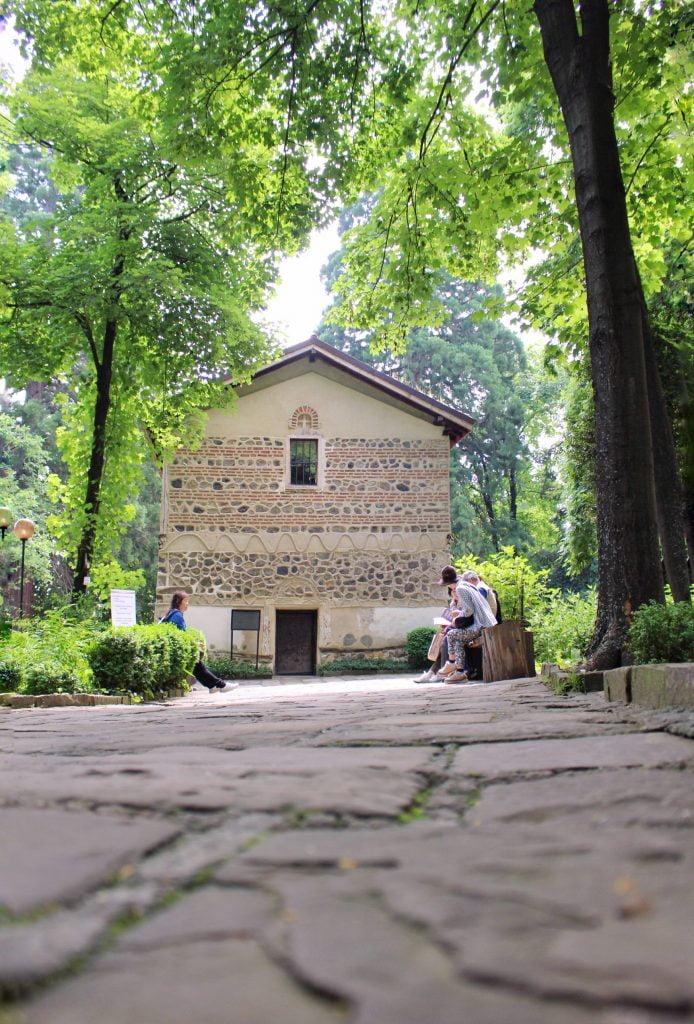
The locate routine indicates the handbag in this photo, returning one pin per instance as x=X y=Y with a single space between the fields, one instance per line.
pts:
x=435 y=646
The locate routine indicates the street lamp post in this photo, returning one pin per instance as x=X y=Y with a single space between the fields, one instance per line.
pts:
x=23 y=530
x=5 y=520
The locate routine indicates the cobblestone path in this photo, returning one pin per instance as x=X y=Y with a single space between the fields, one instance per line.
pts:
x=359 y=851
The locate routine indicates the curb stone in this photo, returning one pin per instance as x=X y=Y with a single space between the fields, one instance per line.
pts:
x=652 y=686
x=60 y=700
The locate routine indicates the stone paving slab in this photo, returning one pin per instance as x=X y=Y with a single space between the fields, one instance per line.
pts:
x=358 y=781
x=507 y=759
x=362 y=851
x=48 y=855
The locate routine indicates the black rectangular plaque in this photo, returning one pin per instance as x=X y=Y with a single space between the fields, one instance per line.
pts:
x=248 y=619
x=243 y=619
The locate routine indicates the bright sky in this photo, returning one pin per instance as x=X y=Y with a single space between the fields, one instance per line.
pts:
x=300 y=298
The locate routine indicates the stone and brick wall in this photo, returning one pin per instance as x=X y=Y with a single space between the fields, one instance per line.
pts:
x=373 y=535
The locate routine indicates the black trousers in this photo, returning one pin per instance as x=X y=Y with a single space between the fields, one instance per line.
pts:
x=204 y=676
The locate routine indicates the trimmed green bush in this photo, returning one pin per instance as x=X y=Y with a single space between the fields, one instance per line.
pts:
x=357 y=664
x=233 y=668
x=662 y=633
x=417 y=645
x=51 y=677
x=145 y=660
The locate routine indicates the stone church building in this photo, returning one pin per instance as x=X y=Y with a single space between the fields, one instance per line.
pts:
x=319 y=500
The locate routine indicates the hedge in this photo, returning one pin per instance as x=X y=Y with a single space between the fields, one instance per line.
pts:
x=145 y=660
x=417 y=646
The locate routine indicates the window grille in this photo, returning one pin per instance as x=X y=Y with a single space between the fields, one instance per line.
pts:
x=303 y=462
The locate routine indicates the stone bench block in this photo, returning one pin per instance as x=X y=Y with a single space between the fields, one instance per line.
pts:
x=663 y=686
x=593 y=682
x=617 y=684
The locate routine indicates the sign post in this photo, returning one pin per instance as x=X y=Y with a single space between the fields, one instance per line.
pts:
x=123 y=612
x=242 y=618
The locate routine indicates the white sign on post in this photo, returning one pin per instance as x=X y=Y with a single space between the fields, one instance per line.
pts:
x=123 y=608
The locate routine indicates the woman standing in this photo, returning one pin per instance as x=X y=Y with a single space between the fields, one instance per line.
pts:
x=179 y=604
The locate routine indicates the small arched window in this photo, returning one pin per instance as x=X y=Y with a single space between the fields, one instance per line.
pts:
x=304 y=419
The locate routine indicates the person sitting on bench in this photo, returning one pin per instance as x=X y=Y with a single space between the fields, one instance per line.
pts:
x=475 y=615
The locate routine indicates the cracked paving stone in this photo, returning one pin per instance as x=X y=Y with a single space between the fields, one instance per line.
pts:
x=32 y=951
x=590 y=752
x=52 y=855
x=261 y=847
x=215 y=982
x=206 y=914
x=356 y=781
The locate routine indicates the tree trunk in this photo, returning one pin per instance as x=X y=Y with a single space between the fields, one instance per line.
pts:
x=513 y=494
x=485 y=492
x=668 y=486
x=628 y=558
x=102 y=403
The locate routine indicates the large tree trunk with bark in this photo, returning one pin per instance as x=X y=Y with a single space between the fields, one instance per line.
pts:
x=628 y=558
x=668 y=485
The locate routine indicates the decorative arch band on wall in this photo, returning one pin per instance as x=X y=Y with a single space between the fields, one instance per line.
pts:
x=304 y=418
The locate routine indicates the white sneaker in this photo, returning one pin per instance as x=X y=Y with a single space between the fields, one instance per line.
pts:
x=426 y=677
x=227 y=686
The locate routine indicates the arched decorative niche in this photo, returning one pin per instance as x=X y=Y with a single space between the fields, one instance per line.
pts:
x=304 y=419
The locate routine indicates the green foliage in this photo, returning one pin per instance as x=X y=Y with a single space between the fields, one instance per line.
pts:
x=49 y=654
x=352 y=663
x=10 y=674
x=417 y=644
x=24 y=468
x=662 y=633
x=571 y=683
x=107 y=576
x=580 y=541
x=564 y=627
x=51 y=677
x=144 y=660
x=500 y=494
x=233 y=668
x=523 y=591
x=136 y=289
x=562 y=624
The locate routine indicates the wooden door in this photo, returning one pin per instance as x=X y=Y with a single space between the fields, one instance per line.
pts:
x=295 y=643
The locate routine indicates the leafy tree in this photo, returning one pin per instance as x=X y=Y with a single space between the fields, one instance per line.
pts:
x=460 y=193
x=136 y=288
x=474 y=364
x=23 y=474
x=457 y=192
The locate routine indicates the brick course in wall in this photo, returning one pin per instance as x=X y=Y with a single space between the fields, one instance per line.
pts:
x=393 y=489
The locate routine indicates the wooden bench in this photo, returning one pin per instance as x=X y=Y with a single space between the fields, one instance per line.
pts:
x=507 y=652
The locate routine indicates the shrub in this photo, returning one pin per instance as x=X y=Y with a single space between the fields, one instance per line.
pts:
x=233 y=668
x=11 y=678
x=146 y=660
x=47 y=655
x=563 y=627
x=361 y=664
x=417 y=645
x=662 y=632
x=51 y=677
x=522 y=590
